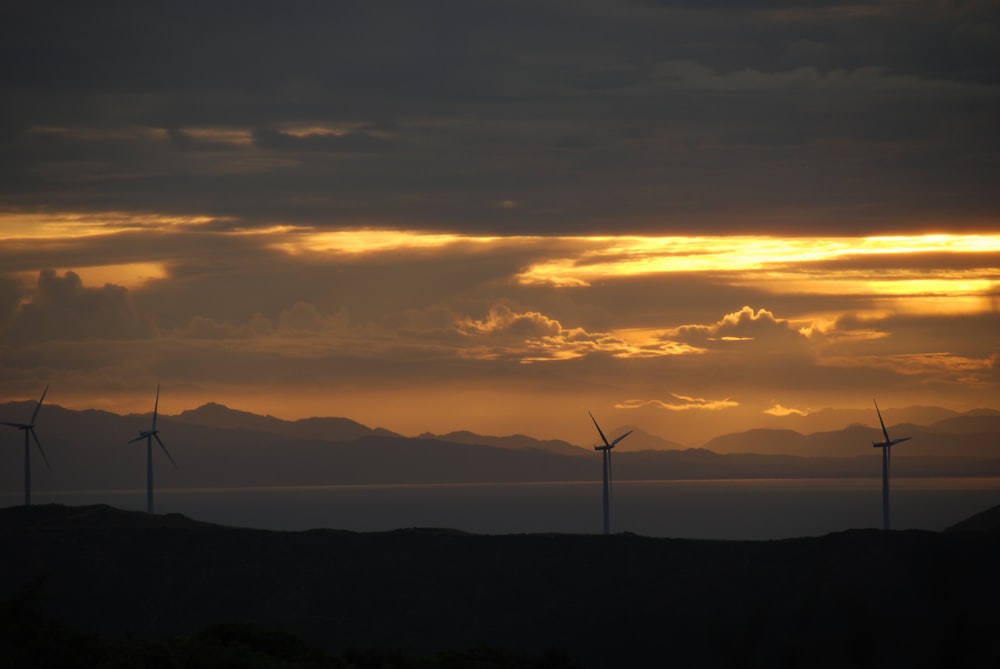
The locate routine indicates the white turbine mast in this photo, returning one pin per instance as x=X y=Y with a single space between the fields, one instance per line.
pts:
x=886 y=445
x=149 y=435
x=606 y=453
x=29 y=434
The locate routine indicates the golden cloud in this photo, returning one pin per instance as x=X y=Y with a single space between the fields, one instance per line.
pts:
x=681 y=403
x=941 y=365
x=533 y=337
x=779 y=410
x=948 y=281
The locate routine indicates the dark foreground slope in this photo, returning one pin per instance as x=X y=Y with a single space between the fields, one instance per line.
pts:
x=859 y=598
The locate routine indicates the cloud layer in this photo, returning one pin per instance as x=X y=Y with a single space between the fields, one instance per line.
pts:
x=496 y=215
x=441 y=332
x=604 y=115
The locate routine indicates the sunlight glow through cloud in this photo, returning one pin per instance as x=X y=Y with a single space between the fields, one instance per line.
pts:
x=957 y=369
x=371 y=241
x=212 y=297
x=779 y=410
x=601 y=257
x=129 y=275
x=68 y=226
x=685 y=404
x=781 y=266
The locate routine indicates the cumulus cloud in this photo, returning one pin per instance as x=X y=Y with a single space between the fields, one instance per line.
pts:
x=10 y=297
x=61 y=307
x=504 y=321
x=759 y=328
x=530 y=337
x=930 y=350
x=301 y=317
x=534 y=337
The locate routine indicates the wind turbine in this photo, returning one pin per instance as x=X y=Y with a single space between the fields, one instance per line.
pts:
x=29 y=434
x=606 y=449
x=149 y=435
x=886 y=445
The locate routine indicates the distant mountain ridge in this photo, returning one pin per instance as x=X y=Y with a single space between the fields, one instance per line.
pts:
x=333 y=429
x=830 y=420
x=216 y=446
x=515 y=442
x=976 y=435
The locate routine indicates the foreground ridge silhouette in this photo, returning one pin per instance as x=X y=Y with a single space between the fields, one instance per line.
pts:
x=688 y=602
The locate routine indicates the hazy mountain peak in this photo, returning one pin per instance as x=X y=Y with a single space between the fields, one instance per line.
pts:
x=216 y=409
x=213 y=414
x=514 y=441
x=639 y=440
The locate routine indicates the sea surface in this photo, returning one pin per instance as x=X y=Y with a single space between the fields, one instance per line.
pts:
x=708 y=509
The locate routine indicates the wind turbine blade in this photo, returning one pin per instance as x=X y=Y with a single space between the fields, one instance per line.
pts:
x=169 y=457
x=603 y=438
x=140 y=437
x=888 y=460
x=156 y=406
x=881 y=422
x=39 y=406
x=620 y=438
x=40 y=449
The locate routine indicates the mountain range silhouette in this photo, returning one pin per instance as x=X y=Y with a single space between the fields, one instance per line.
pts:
x=218 y=446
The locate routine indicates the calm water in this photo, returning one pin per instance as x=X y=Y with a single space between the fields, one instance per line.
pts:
x=717 y=509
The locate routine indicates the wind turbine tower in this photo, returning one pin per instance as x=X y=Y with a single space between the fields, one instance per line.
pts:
x=29 y=434
x=149 y=435
x=606 y=452
x=886 y=446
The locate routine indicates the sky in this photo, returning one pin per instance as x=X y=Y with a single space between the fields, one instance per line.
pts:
x=687 y=216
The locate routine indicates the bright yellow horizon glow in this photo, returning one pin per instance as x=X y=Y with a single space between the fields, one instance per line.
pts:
x=127 y=275
x=804 y=265
x=363 y=241
x=793 y=266
x=633 y=256
x=66 y=226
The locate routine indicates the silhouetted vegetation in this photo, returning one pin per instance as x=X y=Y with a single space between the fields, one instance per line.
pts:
x=100 y=587
x=31 y=640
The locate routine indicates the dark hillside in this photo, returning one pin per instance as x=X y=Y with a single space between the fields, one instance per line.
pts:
x=985 y=521
x=859 y=598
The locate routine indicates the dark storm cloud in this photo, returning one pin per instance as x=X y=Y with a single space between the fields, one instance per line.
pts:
x=63 y=308
x=11 y=292
x=650 y=116
x=356 y=141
